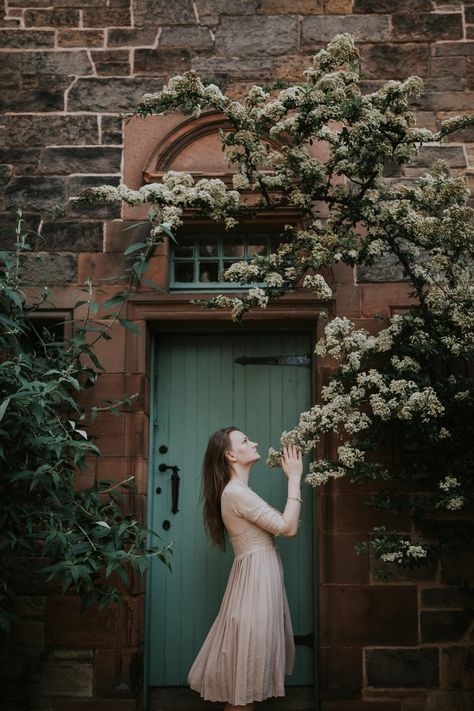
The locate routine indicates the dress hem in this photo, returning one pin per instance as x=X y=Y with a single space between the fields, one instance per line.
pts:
x=234 y=703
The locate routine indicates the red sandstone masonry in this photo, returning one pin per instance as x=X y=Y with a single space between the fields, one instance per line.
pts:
x=68 y=69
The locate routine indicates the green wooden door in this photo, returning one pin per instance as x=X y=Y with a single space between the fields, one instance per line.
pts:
x=198 y=388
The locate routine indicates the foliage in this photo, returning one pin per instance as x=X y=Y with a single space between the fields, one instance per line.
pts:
x=409 y=386
x=82 y=535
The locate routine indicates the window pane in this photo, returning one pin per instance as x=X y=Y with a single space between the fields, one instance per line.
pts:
x=184 y=271
x=234 y=248
x=256 y=247
x=184 y=249
x=209 y=248
x=208 y=271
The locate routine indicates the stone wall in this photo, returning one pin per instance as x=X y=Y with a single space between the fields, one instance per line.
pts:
x=69 y=67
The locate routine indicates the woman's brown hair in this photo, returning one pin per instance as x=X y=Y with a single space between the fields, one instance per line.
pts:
x=215 y=475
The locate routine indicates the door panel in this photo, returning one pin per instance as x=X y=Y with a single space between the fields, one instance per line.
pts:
x=199 y=388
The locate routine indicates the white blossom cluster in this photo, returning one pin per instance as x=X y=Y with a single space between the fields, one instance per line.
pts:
x=407 y=550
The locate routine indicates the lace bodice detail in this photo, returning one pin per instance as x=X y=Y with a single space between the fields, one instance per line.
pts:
x=249 y=520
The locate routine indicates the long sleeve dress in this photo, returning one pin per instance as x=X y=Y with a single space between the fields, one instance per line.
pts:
x=250 y=646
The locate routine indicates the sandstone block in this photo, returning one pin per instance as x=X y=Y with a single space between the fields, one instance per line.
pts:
x=68 y=627
x=444 y=625
x=67 y=678
x=454 y=49
x=111 y=129
x=186 y=37
x=124 y=37
x=444 y=101
x=447 y=597
x=457 y=665
x=57 y=63
x=469 y=14
x=427 y=155
x=406 y=668
x=427 y=26
x=364 y=28
x=254 y=67
x=208 y=9
x=337 y=7
x=45 y=268
x=392 y=5
x=28 y=130
x=43 y=93
x=51 y=17
x=35 y=193
x=161 y=61
x=441 y=68
x=284 y=7
x=394 y=61
x=80 y=38
x=97 y=159
x=77 y=183
x=61 y=236
x=26 y=39
x=150 y=13
x=111 y=62
x=253 y=36
x=458 y=567
x=341 y=672
x=449 y=700
x=106 y=16
x=110 y=95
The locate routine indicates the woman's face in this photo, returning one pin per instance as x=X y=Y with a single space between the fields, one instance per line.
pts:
x=242 y=450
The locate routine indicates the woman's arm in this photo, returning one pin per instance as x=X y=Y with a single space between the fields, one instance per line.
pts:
x=292 y=465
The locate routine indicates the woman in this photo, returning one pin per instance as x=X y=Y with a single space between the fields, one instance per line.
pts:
x=250 y=645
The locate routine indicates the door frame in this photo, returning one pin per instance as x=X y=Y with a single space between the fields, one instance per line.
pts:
x=159 y=315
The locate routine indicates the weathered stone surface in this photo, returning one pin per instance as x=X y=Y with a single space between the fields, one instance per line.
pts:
x=469 y=14
x=290 y=66
x=394 y=61
x=92 y=212
x=52 y=17
x=214 y=8
x=457 y=667
x=283 y=7
x=68 y=628
x=426 y=26
x=39 y=93
x=111 y=129
x=44 y=268
x=31 y=606
x=406 y=668
x=189 y=37
x=149 y=13
x=57 y=63
x=255 y=67
x=70 y=237
x=43 y=130
x=124 y=37
x=392 y=5
x=454 y=49
x=444 y=101
x=454 y=68
x=451 y=700
x=161 y=61
x=337 y=7
x=444 y=626
x=386 y=268
x=106 y=16
x=8 y=236
x=100 y=159
x=26 y=39
x=447 y=597
x=111 y=62
x=35 y=193
x=10 y=76
x=364 y=28
x=110 y=95
x=454 y=155
x=253 y=36
x=67 y=678
x=458 y=567
x=80 y=38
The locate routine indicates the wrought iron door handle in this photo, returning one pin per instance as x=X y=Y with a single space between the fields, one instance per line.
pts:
x=174 y=485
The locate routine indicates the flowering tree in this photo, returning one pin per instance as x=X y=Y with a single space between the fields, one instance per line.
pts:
x=410 y=383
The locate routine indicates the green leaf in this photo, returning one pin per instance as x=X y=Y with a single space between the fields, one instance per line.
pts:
x=134 y=248
x=169 y=233
x=102 y=523
x=3 y=407
x=119 y=298
x=129 y=325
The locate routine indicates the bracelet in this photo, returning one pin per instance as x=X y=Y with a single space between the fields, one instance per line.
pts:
x=295 y=498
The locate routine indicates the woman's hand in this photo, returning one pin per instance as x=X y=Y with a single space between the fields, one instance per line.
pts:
x=292 y=462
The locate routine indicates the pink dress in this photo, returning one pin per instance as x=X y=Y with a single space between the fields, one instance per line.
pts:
x=250 y=646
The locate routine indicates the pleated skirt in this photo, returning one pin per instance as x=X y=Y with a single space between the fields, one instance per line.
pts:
x=250 y=646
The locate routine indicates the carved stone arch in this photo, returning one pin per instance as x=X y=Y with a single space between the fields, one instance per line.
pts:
x=194 y=145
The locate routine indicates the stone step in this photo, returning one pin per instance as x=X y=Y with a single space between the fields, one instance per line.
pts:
x=181 y=698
